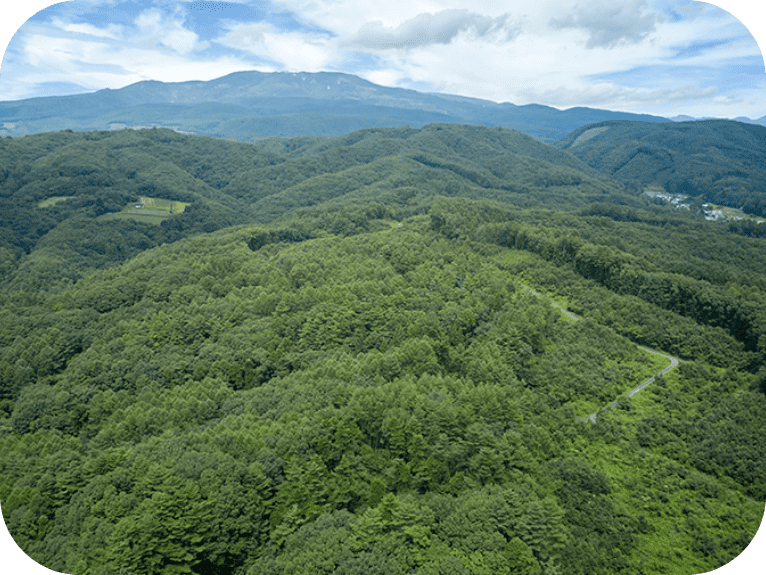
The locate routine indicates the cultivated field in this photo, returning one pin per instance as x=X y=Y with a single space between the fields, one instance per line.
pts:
x=149 y=210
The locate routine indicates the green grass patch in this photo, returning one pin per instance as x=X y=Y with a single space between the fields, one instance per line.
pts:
x=733 y=213
x=148 y=210
x=392 y=225
x=655 y=363
x=52 y=201
x=557 y=299
x=169 y=206
x=644 y=367
x=647 y=401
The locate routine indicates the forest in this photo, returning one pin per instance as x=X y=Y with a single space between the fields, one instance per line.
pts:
x=718 y=161
x=332 y=362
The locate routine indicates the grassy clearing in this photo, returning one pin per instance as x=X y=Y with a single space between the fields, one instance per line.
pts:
x=392 y=225
x=169 y=206
x=53 y=200
x=587 y=135
x=558 y=299
x=644 y=367
x=649 y=401
x=655 y=364
x=735 y=213
x=148 y=210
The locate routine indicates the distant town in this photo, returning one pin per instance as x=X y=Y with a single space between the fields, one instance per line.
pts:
x=711 y=212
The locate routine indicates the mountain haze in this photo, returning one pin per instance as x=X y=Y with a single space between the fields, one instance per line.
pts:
x=250 y=105
x=744 y=119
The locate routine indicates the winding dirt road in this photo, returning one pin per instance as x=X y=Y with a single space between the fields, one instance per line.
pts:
x=635 y=390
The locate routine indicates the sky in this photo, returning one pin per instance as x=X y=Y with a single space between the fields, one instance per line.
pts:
x=664 y=57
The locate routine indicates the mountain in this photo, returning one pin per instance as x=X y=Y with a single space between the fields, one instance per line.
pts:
x=249 y=105
x=744 y=119
x=719 y=161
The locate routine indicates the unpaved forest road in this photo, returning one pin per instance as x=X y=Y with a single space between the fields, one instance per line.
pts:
x=635 y=390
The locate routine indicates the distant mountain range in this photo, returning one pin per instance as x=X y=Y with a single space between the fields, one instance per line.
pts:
x=247 y=106
x=743 y=119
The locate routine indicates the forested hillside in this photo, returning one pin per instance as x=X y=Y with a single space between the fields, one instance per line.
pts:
x=67 y=200
x=718 y=161
x=331 y=361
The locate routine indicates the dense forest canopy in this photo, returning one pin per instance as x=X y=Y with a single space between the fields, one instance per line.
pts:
x=332 y=360
x=98 y=174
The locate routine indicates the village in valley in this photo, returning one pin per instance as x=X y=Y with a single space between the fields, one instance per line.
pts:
x=711 y=212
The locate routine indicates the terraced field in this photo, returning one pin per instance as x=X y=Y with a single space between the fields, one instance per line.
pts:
x=149 y=210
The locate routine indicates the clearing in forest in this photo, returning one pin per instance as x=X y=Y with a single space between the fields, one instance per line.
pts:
x=52 y=201
x=149 y=210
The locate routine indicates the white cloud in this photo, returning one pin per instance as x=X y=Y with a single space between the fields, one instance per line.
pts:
x=469 y=52
x=112 y=31
x=294 y=51
x=47 y=53
x=438 y=28
x=617 y=52
x=154 y=28
x=610 y=23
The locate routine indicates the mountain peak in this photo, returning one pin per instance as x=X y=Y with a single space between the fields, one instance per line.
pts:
x=249 y=105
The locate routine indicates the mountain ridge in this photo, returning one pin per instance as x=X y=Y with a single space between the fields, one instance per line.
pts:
x=265 y=100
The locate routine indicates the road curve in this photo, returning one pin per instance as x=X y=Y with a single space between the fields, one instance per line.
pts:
x=635 y=390
x=673 y=363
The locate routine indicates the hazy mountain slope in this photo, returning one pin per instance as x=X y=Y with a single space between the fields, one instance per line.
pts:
x=744 y=119
x=250 y=105
x=720 y=161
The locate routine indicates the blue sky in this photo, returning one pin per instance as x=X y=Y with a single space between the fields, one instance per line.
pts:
x=664 y=57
